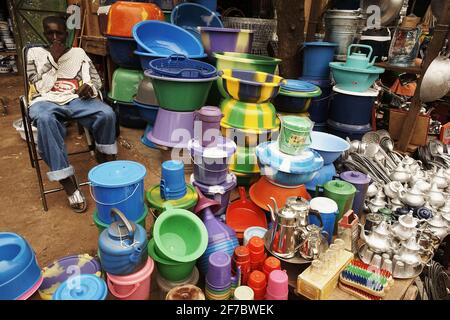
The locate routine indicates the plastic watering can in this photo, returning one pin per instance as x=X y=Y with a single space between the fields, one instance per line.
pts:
x=359 y=60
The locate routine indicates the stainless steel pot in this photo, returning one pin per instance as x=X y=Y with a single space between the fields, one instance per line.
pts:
x=436 y=81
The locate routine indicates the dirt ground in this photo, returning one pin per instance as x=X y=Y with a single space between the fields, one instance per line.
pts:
x=59 y=231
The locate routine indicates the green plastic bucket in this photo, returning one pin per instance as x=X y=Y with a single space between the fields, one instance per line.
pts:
x=295 y=134
x=169 y=269
x=102 y=226
x=181 y=94
x=125 y=83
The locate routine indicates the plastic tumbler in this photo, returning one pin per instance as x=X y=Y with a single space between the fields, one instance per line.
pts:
x=219 y=270
x=241 y=258
x=271 y=264
x=258 y=282
x=172 y=185
x=209 y=118
x=244 y=293
x=257 y=253
x=277 y=286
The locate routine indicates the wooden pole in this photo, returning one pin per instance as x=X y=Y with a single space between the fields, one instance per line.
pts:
x=290 y=30
x=436 y=44
x=313 y=19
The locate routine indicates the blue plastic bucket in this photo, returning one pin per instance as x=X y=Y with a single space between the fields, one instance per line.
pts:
x=118 y=184
x=354 y=108
x=318 y=110
x=316 y=59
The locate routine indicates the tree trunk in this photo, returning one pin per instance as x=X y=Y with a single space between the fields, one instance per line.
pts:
x=290 y=31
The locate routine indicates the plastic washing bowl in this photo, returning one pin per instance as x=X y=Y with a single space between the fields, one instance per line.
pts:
x=180 y=235
x=19 y=268
x=226 y=39
x=164 y=39
x=189 y=16
x=250 y=86
x=169 y=269
x=354 y=79
x=146 y=57
x=329 y=146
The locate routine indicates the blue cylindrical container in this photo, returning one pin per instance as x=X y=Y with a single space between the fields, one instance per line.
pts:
x=353 y=132
x=172 y=185
x=318 y=110
x=118 y=184
x=316 y=59
x=353 y=108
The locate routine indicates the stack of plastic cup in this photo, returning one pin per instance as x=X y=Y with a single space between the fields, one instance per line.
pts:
x=173 y=185
x=218 y=279
x=241 y=259
x=258 y=282
x=277 y=286
x=244 y=293
x=257 y=253
x=271 y=264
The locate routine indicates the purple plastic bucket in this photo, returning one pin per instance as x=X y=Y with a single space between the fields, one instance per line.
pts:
x=221 y=193
x=211 y=164
x=209 y=132
x=172 y=129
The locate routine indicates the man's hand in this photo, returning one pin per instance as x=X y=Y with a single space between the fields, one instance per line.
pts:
x=57 y=49
x=85 y=91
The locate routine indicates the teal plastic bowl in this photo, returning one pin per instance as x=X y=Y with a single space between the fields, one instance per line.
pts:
x=353 y=79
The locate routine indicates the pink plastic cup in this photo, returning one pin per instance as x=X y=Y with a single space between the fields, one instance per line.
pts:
x=277 y=286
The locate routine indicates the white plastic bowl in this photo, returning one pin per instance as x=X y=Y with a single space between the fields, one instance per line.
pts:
x=18 y=125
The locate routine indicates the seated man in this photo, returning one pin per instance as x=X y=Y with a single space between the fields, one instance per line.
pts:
x=64 y=85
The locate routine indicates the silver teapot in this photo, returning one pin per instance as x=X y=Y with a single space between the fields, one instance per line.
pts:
x=400 y=174
x=409 y=252
x=436 y=197
x=391 y=189
x=438 y=226
x=405 y=228
x=379 y=240
x=313 y=242
x=412 y=197
x=440 y=179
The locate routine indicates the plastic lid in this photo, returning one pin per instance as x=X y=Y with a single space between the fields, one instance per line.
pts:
x=115 y=174
x=269 y=154
x=223 y=149
x=188 y=201
x=82 y=287
x=298 y=86
x=371 y=92
x=340 y=187
x=324 y=205
x=355 y=177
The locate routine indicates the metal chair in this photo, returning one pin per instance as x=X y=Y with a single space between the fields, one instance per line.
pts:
x=32 y=150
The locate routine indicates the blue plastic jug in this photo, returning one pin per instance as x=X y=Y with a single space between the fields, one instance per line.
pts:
x=122 y=246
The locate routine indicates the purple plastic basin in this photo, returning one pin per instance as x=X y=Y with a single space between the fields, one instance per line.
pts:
x=226 y=40
x=172 y=129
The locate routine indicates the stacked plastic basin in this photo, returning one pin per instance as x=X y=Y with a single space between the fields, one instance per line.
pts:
x=211 y=154
x=249 y=116
x=179 y=239
x=122 y=16
x=316 y=70
x=118 y=184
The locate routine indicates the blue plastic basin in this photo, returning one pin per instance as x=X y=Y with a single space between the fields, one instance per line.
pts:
x=164 y=39
x=329 y=146
x=147 y=113
x=122 y=50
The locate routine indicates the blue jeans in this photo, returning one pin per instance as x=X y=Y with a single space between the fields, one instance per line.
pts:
x=48 y=117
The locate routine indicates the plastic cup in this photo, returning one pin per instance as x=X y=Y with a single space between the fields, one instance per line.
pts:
x=317 y=267
x=376 y=261
x=341 y=244
x=241 y=259
x=219 y=270
x=277 y=285
x=244 y=293
x=256 y=248
x=257 y=280
x=172 y=185
x=271 y=264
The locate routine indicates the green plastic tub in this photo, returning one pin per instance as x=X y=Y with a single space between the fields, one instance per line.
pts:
x=102 y=226
x=169 y=269
x=181 y=94
x=125 y=83
x=295 y=134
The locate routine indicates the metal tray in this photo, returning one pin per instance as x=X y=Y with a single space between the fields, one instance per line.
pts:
x=297 y=259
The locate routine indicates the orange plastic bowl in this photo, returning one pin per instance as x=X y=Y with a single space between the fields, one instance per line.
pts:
x=262 y=190
x=124 y=15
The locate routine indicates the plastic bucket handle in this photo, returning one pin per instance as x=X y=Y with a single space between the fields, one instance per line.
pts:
x=117 y=213
x=122 y=296
x=115 y=203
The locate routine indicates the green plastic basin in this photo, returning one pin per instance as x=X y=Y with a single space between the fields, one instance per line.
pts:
x=125 y=83
x=169 y=269
x=181 y=94
x=180 y=235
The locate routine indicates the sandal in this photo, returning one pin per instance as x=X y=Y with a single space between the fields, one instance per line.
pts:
x=77 y=201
